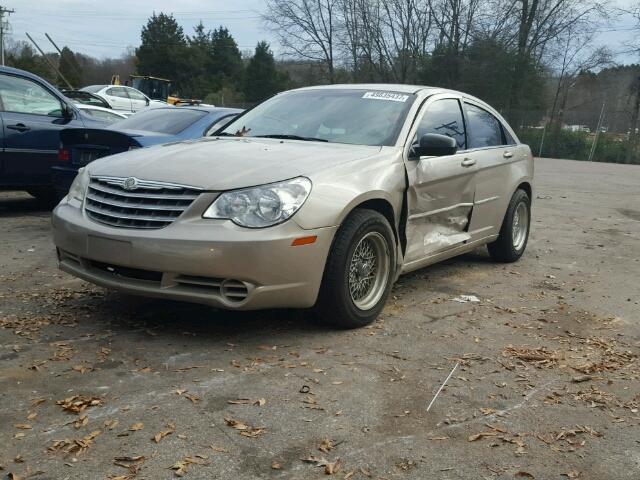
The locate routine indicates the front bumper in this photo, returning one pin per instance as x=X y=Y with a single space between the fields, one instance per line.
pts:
x=213 y=262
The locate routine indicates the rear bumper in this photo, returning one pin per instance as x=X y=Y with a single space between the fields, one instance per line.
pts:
x=204 y=261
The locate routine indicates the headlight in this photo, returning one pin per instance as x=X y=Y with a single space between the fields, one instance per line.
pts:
x=79 y=186
x=263 y=206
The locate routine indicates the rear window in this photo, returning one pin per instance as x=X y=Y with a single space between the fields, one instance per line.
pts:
x=93 y=88
x=162 y=120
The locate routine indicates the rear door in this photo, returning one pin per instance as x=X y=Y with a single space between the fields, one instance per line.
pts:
x=494 y=150
x=118 y=98
x=441 y=189
x=32 y=119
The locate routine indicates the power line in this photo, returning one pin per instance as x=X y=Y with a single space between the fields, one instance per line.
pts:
x=3 y=10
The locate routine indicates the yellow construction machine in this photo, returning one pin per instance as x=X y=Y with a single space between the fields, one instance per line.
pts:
x=155 y=88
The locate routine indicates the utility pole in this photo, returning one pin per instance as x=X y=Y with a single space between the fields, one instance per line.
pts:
x=594 y=145
x=53 y=67
x=3 y=26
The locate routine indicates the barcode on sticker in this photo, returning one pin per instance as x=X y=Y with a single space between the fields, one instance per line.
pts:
x=390 y=96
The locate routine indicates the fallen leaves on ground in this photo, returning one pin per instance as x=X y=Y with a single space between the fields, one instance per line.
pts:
x=136 y=426
x=540 y=357
x=244 y=429
x=330 y=468
x=131 y=463
x=180 y=467
x=160 y=435
x=75 y=446
x=78 y=403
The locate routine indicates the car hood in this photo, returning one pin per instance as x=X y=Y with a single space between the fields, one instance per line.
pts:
x=228 y=163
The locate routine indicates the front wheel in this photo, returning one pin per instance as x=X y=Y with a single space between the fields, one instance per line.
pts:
x=359 y=272
x=514 y=233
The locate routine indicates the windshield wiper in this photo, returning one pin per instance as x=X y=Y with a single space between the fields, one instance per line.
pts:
x=292 y=137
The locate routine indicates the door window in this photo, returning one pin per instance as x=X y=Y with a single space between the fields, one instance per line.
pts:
x=484 y=129
x=136 y=95
x=25 y=96
x=443 y=117
x=117 y=92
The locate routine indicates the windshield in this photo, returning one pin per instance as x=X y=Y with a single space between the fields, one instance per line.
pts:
x=162 y=120
x=359 y=117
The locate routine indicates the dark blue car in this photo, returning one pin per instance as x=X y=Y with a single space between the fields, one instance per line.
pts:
x=80 y=146
x=32 y=114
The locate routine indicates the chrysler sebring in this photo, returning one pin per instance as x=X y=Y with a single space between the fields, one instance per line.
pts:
x=318 y=197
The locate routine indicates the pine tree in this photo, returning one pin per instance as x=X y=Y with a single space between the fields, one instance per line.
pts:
x=163 y=51
x=262 y=79
x=70 y=68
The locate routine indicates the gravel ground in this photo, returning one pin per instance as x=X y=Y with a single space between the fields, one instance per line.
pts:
x=97 y=385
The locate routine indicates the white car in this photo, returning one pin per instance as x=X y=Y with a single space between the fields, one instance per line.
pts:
x=124 y=98
x=100 y=113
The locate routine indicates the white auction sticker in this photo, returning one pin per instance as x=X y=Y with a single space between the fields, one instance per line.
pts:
x=390 y=96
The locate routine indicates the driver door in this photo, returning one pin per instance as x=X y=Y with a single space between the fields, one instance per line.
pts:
x=32 y=120
x=441 y=189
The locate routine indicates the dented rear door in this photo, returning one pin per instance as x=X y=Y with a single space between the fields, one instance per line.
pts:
x=441 y=190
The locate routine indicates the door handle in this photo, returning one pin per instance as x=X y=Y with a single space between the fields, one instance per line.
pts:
x=468 y=162
x=21 y=127
x=507 y=154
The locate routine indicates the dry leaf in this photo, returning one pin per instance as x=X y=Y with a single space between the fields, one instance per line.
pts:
x=478 y=436
x=523 y=474
x=276 y=466
x=332 y=467
x=160 y=435
x=78 y=403
x=245 y=430
x=82 y=421
x=23 y=426
x=136 y=426
x=110 y=424
x=325 y=446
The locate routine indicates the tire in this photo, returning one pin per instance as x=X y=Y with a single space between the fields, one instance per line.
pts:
x=509 y=248
x=356 y=303
x=45 y=195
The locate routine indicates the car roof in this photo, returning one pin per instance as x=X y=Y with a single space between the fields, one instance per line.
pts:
x=200 y=109
x=385 y=87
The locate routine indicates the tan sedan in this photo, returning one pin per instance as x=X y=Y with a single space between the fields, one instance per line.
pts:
x=319 y=197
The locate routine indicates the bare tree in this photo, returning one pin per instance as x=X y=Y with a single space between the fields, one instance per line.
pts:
x=306 y=28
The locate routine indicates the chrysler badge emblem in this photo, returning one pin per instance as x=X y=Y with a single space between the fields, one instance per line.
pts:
x=130 y=183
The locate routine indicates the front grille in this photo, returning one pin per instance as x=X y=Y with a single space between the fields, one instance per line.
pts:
x=132 y=203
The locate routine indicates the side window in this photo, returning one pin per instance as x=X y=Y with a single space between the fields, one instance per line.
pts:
x=444 y=117
x=136 y=95
x=483 y=129
x=21 y=95
x=117 y=92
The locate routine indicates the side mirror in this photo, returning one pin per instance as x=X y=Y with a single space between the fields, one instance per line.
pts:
x=147 y=101
x=436 y=145
x=67 y=111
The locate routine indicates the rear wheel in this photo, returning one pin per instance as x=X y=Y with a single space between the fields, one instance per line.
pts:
x=514 y=233
x=359 y=271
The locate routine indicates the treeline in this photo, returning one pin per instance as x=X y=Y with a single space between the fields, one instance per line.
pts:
x=207 y=64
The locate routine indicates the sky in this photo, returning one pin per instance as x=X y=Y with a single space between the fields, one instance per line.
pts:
x=106 y=28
